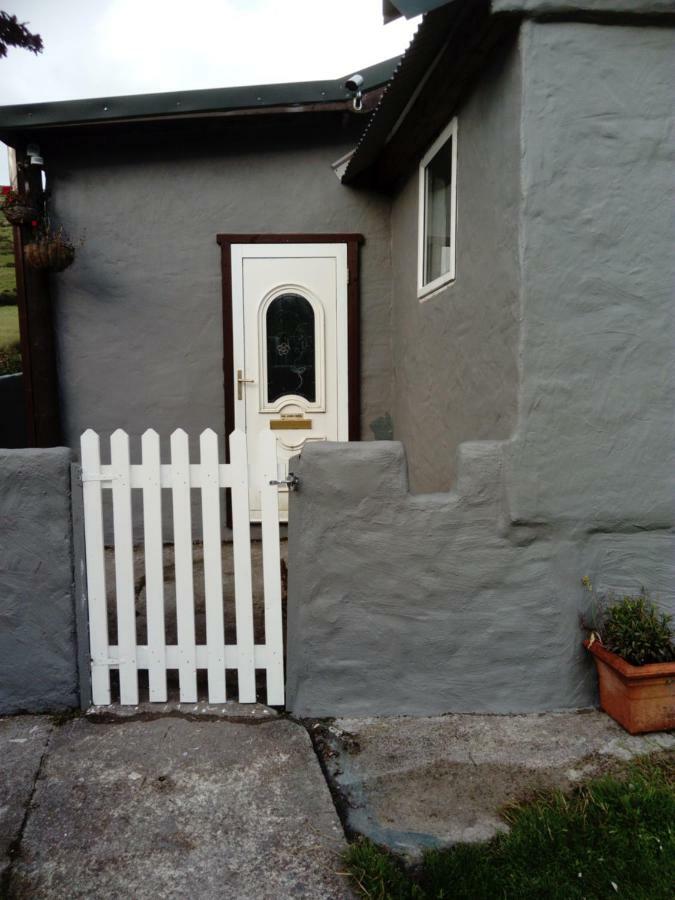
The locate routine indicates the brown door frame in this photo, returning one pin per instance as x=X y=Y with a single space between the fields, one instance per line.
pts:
x=353 y=242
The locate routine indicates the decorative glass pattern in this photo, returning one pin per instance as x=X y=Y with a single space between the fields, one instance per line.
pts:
x=291 y=338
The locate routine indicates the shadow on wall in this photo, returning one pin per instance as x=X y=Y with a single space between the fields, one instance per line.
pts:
x=426 y=604
x=12 y=418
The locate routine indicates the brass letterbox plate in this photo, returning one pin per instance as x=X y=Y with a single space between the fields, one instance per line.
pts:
x=290 y=424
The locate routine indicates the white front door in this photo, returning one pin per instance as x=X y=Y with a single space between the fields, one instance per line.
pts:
x=289 y=318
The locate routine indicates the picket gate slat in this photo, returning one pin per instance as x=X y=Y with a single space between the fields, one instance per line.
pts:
x=271 y=569
x=181 y=477
x=95 y=561
x=241 y=546
x=182 y=548
x=154 y=564
x=124 y=566
x=213 y=567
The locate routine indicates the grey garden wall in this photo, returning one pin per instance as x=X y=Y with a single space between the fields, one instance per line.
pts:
x=414 y=604
x=38 y=668
x=469 y=600
x=455 y=363
x=139 y=315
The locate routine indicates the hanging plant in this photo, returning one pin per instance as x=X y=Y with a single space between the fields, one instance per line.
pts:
x=15 y=208
x=51 y=250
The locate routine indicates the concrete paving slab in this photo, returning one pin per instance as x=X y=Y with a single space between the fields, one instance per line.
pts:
x=178 y=808
x=415 y=783
x=23 y=740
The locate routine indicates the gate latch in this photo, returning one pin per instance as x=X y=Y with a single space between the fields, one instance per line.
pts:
x=291 y=481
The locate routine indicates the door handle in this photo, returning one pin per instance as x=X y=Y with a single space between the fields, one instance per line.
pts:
x=241 y=380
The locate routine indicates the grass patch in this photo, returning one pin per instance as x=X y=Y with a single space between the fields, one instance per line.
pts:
x=9 y=326
x=613 y=837
x=7 y=272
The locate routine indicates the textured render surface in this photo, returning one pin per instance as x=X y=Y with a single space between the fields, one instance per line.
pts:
x=139 y=315
x=38 y=655
x=595 y=443
x=415 y=783
x=23 y=741
x=468 y=601
x=455 y=354
x=172 y=808
x=424 y=604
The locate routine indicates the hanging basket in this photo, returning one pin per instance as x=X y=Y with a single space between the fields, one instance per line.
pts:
x=18 y=214
x=49 y=254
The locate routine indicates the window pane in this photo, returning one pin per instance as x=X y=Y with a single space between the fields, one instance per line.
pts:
x=290 y=348
x=437 y=225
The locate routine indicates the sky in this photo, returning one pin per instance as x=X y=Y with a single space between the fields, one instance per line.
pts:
x=95 y=48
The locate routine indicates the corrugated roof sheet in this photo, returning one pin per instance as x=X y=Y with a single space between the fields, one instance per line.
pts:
x=428 y=40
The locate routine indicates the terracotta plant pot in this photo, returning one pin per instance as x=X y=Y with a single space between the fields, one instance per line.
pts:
x=52 y=255
x=19 y=214
x=641 y=698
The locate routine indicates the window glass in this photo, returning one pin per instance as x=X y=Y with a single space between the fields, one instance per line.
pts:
x=290 y=348
x=438 y=199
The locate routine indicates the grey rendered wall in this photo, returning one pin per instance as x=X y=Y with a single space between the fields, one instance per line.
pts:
x=455 y=355
x=595 y=440
x=469 y=600
x=38 y=668
x=138 y=316
x=409 y=604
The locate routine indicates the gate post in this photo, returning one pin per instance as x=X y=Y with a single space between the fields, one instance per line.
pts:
x=80 y=581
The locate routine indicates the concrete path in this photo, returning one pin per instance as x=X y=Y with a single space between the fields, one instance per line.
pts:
x=414 y=783
x=171 y=807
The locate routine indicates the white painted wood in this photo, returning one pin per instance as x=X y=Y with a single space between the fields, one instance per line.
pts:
x=261 y=656
x=274 y=640
x=96 y=596
x=138 y=478
x=210 y=477
x=182 y=538
x=154 y=563
x=426 y=291
x=213 y=573
x=124 y=566
x=243 y=591
x=261 y=273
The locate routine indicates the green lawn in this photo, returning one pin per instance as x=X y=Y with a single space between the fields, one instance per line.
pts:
x=9 y=326
x=613 y=837
x=7 y=276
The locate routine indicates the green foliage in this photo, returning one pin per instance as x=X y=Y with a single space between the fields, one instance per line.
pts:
x=632 y=627
x=634 y=630
x=614 y=837
x=10 y=359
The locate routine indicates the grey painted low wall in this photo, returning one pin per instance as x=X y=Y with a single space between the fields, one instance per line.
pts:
x=38 y=668
x=12 y=412
x=424 y=604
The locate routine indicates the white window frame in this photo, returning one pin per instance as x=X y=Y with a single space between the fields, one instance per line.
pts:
x=424 y=291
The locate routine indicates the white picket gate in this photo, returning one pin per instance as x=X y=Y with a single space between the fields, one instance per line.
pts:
x=181 y=476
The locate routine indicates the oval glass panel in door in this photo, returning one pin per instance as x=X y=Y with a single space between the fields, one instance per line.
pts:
x=290 y=334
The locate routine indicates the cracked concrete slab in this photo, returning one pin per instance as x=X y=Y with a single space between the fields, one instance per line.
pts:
x=415 y=783
x=180 y=808
x=23 y=740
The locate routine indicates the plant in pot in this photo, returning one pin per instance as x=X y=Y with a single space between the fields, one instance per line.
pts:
x=49 y=249
x=633 y=644
x=16 y=209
